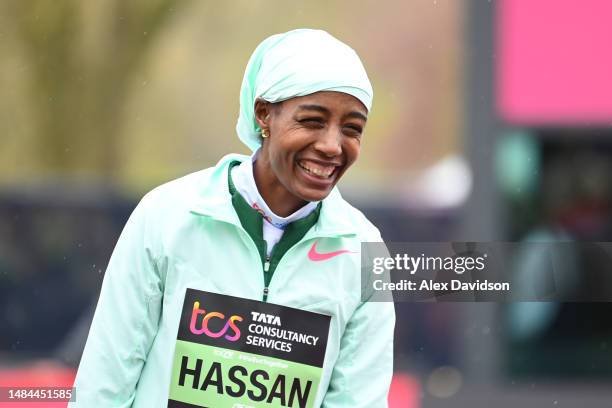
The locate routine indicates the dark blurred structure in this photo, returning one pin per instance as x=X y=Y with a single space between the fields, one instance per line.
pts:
x=540 y=122
x=571 y=201
x=54 y=247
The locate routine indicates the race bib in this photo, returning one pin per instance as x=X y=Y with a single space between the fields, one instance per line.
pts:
x=238 y=353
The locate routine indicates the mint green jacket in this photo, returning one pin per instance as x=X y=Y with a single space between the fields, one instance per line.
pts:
x=186 y=234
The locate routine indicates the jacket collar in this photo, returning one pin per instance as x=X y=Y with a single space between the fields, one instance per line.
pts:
x=215 y=201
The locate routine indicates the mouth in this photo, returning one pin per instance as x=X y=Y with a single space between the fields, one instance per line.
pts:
x=322 y=171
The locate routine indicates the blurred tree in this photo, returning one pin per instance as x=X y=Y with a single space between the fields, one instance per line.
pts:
x=143 y=91
x=79 y=59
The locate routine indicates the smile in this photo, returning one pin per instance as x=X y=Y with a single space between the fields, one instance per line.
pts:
x=317 y=170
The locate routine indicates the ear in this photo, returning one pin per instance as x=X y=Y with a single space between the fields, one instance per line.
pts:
x=262 y=113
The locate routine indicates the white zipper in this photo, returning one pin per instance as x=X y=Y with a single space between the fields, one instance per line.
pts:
x=267 y=264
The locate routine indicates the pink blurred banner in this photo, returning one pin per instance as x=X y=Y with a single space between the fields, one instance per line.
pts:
x=405 y=391
x=554 y=61
x=38 y=374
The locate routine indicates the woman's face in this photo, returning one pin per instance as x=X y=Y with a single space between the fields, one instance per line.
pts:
x=312 y=141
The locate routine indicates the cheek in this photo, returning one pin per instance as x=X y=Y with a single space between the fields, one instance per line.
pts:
x=281 y=161
x=352 y=148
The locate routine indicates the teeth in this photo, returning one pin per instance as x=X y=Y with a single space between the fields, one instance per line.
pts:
x=324 y=172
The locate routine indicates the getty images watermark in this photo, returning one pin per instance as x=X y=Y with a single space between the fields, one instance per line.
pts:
x=487 y=271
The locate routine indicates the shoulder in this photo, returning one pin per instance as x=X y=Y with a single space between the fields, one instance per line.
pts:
x=169 y=208
x=177 y=194
x=164 y=209
x=343 y=214
x=183 y=193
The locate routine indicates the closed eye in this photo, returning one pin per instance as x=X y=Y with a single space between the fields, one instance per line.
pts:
x=312 y=122
x=354 y=130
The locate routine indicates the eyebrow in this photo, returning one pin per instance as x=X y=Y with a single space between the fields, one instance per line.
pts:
x=323 y=109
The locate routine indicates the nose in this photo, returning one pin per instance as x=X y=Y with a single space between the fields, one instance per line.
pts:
x=329 y=143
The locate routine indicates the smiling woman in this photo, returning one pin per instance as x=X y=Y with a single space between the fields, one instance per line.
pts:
x=265 y=235
x=311 y=141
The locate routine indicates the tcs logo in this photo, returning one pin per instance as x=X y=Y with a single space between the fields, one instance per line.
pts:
x=230 y=324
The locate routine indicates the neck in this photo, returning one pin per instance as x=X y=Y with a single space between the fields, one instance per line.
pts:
x=278 y=198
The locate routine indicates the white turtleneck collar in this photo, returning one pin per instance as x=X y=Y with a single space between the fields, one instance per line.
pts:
x=244 y=181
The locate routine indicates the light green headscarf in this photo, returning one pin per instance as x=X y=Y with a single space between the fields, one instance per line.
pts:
x=298 y=63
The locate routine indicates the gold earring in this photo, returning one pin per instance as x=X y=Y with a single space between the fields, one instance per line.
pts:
x=263 y=133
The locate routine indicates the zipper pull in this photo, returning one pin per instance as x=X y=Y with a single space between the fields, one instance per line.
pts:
x=267 y=265
x=265 y=293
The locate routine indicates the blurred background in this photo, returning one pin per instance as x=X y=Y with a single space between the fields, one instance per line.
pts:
x=492 y=121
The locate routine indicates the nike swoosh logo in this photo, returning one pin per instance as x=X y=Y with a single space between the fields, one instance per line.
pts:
x=313 y=255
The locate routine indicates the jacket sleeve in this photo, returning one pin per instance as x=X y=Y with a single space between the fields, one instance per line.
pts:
x=125 y=321
x=363 y=371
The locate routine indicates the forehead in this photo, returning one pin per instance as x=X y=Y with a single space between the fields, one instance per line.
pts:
x=334 y=102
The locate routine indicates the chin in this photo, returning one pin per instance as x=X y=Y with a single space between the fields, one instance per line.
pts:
x=314 y=195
